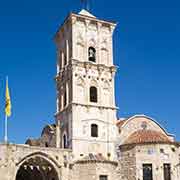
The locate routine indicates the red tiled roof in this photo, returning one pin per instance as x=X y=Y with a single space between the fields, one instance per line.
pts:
x=146 y=136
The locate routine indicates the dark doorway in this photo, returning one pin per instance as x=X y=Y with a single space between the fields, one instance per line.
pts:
x=167 y=171
x=147 y=172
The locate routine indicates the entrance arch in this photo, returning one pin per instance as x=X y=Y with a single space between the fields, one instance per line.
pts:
x=37 y=167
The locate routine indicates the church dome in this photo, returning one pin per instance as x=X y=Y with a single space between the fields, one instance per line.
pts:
x=146 y=136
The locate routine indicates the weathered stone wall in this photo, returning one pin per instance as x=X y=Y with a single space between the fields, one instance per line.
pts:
x=92 y=170
x=127 y=163
x=11 y=157
x=132 y=158
x=74 y=79
x=96 y=34
x=157 y=155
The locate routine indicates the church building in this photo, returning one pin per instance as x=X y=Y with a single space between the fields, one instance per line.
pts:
x=87 y=140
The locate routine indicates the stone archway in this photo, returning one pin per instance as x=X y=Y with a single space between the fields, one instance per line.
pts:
x=36 y=168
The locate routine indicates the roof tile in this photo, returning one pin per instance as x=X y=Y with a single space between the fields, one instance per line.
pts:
x=146 y=136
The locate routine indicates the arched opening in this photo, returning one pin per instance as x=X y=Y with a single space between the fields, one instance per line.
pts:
x=36 y=168
x=64 y=141
x=65 y=99
x=65 y=58
x=61 y=60
x=94 y=130
x=92 y=54
x=46 y=144
x=93 y=94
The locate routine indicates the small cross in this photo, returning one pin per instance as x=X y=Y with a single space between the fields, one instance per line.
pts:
x=85 y=4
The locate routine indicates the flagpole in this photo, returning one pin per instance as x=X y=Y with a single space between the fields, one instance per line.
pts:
x=6 y=130
x=6 y=120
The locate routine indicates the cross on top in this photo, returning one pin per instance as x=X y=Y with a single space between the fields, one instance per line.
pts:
x=85 y=4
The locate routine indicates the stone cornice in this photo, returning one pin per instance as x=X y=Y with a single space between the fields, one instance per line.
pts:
x=115 y=163
x=68 y=108
x=95 y=140
x=88 y=64
x=111 y=23
x=73 y=63
x=72 y=18
x=15 y=147
x=101 y=107
x=177 y=144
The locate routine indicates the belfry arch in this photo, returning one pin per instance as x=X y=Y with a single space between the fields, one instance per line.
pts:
x=37 y=167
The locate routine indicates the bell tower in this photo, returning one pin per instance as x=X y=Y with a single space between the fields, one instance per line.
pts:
x=86 y=111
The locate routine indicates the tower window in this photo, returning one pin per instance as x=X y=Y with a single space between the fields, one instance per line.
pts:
x=64 y=141
x=65 y=59
x=94 y=130
x=61 y=60
x=65 y=99
x=93 y=94
x=46 y=144
x=92 y=54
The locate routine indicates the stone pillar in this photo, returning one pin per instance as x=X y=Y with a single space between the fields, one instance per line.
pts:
x=58 y=134
x=67 y=50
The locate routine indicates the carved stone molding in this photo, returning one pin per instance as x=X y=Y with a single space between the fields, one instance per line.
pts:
x=100 y=69
x=87 y=22
x=112 y=28
x=113 y=71
x=94 y=105
x=87 y=66
x=99 y=26
x=73 y=20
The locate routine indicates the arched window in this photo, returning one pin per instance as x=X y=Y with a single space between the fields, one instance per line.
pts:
x=94 y=130
x=61 y=104
x=65 y=99
x=65 y=59
x=46 y=144
x=61 y=59
x=93 y=94
x=92 y=54
x=64 y=141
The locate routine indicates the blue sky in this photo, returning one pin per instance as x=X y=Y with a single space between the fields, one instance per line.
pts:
x=146 y=50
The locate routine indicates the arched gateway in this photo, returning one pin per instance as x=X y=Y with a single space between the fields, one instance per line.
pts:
x=37 y=167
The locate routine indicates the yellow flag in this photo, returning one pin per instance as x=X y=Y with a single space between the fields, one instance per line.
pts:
x=8 y=101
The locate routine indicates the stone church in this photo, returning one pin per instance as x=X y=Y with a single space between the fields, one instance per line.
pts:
x=87 y=141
